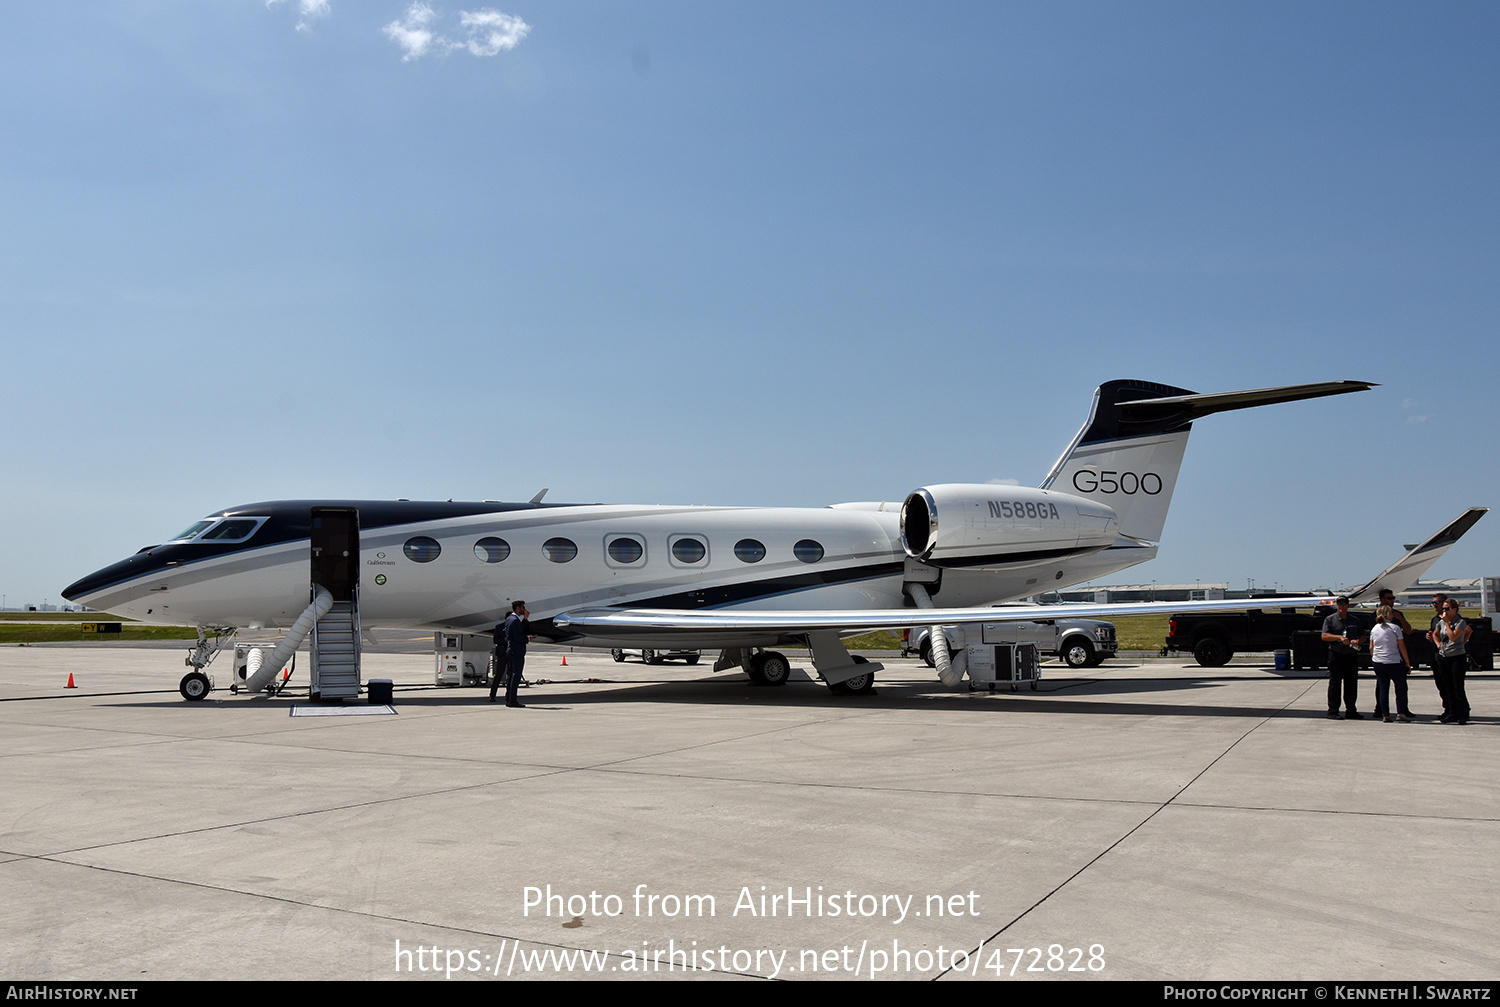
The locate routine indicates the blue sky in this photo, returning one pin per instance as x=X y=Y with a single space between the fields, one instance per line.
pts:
x=744 y=254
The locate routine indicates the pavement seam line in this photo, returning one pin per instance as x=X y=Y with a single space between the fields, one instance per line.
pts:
x=1133 y=829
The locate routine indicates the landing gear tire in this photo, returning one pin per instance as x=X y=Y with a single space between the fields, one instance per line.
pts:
x=194 y=686
x=926 y=654
x=1211 y=652
x=617 y=654
x=770 y=667
x=775 y=669
x=859 y=685
x=691 y=659
x=1078 y=653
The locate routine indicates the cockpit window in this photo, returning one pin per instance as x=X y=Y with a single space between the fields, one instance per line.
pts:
x=232 y=529
x=190 y=531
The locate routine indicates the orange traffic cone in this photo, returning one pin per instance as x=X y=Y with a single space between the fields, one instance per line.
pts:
x=565 y=660
x=70 y=684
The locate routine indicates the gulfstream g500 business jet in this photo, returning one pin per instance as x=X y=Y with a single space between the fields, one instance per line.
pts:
x=738 y=578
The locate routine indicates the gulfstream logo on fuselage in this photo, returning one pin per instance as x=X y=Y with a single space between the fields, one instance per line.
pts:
x=1018 y=508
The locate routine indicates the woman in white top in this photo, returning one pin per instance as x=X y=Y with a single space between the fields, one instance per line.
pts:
x=1388 y=652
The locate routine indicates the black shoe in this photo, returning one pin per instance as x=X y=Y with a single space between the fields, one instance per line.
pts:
x=1334 y=715
x=1354 y=715
x=515 y=703
x=1446 y=719
x=1386 y=720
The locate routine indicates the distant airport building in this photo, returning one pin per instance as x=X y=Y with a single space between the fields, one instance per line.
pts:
x=1470 y=593
x=1112 y=593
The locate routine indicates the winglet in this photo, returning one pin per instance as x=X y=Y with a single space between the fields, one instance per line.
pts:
x=538 y=498
x=1404 y=572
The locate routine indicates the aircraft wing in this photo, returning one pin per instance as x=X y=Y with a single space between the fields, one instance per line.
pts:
x=706 y=624
x=1404 y=572
x=647 y=622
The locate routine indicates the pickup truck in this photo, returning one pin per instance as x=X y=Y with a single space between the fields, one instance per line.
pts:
x=1214 y=638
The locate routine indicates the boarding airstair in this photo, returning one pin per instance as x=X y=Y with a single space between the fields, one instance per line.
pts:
x=332 y=618
x=335 y=652
x=334 y=536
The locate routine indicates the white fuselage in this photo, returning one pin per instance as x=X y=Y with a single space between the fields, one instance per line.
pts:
x=844 y=557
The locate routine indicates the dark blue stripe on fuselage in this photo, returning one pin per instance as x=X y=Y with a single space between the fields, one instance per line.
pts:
x=743 y=591
x=1011 y=558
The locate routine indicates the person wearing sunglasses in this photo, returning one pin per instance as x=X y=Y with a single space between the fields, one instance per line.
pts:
x=1450 y=634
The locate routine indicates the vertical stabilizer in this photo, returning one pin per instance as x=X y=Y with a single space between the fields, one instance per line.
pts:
x=1129 y=452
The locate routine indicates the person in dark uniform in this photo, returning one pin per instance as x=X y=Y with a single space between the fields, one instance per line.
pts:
x=517 y=632
x=1438 y=679
x=1341 y=634
x=497 y=660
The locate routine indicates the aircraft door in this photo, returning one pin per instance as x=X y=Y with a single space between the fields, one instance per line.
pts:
x=335 y=551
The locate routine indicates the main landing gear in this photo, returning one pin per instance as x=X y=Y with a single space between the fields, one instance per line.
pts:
x=851 y=674
x=770 y=667
x=860 y=685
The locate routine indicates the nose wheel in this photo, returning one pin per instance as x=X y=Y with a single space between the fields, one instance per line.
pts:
x=194 y=686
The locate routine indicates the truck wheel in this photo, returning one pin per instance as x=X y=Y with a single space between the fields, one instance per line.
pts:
x=926 y=653
x=1211 y=652
x=1078 y=653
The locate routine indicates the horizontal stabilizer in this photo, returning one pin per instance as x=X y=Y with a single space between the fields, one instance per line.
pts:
x=1176 y=410
x=1405 y=571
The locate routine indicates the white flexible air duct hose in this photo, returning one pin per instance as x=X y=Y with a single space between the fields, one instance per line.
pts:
x=937 y=639
x=322 y=602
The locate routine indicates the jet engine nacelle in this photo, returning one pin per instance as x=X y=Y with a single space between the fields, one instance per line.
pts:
x=980 y=525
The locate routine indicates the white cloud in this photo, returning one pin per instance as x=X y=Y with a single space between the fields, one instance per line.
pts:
x=489 y=32
x=411 y=32
x=306 y=11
